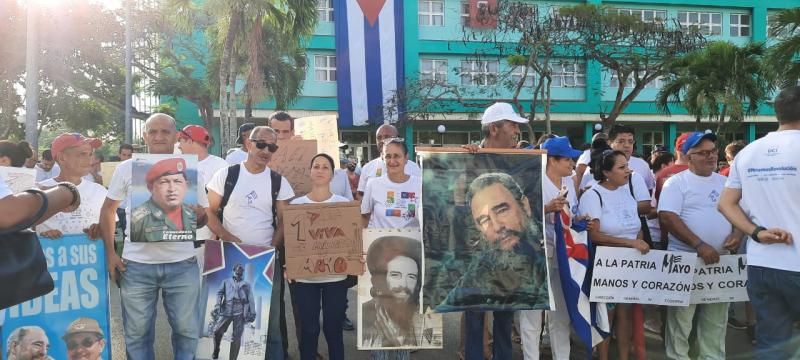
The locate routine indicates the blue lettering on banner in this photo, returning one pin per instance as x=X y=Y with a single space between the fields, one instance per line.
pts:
x=78 y=268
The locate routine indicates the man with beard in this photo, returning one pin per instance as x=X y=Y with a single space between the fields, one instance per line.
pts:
x=84 y=340
x=509 y=268
x=28 y=343
x=234 y=305
x=390 y=318
x=164 y=212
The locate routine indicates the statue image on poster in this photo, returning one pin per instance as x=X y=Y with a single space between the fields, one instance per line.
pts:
x=482 y=230
x=72 y=321
x=389 y=294
x=164 y=191
x=238 y=279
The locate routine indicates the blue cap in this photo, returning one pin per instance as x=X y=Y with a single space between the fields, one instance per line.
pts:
x=560 y=146
x=694 y=139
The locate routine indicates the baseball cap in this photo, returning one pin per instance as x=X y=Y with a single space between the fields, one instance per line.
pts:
x=680 y=140
x=659 y=149
x=501 y=111
x=243 y=129
x=560 y=146
x=83 y=325
x=694 y=138
x=170 y=166
x=68 y=140
x=196 y=133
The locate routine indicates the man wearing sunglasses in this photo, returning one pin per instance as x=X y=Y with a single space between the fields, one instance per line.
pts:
x=249 y=215
x=376 y=167
x=84 y=340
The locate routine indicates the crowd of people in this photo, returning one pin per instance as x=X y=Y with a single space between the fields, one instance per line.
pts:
x=677 y=202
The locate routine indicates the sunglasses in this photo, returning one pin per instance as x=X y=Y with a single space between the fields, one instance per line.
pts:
x=86 y=343
x=261 y=144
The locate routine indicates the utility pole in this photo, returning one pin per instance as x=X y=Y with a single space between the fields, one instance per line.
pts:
x=128 y=75
x=31 y=78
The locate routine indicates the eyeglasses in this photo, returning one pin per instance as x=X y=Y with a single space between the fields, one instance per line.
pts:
x=261 y=144
x=86 y=343
x=394 y=140
x=706 y=153
x=623 y=142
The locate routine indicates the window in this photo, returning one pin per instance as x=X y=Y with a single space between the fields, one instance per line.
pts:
x=566 y=21
x=568 y=74
x=649 y=140
x=645 y=15
x=740 y=25
x=656 y=83
x=325 y=68
x=325 y=10
x=433 y=70
x=516 y=76
x=478 y=72
x=431 y=13
x=465 y=13
x=707 y=23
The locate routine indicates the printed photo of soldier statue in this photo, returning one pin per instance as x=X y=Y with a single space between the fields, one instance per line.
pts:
x=235 y=305
x=164 y=211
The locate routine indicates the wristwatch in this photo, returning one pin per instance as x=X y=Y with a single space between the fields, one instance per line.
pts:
x=754 y=235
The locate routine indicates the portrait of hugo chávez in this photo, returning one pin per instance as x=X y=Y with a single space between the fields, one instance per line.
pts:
x=164 y=217
x=508 y=268
x=391 y=317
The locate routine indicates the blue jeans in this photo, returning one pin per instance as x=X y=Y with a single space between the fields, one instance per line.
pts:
x=501 y=330
x=332 y=296
x=774 y=295
x=274 y=339
x=179 y=284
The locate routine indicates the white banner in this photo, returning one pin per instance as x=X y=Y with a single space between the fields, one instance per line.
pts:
x=624 y=275
x=725 y=281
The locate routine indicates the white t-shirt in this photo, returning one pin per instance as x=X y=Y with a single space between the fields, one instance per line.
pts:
x=694 y=199
x=640 y=191
x=642 y=168
x=617 y=214
x=585 y=157
x=377 y=168
x=42 y=174
x=236 y=157
x=92 y=197
x=206 y=169
x=88 y=177
x=248 y=214
x=148 y=253
x=4 y=189
x=332 y=199
x=550 y=192
x=392 y=205
x=340 y=184
x=768 y=172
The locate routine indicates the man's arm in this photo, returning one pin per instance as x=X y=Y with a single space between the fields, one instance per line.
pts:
x=277 y=237
x=677 y=227
x=214 y=201
x=729 y=207
x=107 y=226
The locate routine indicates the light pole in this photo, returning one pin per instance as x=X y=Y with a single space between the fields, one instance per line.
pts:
x=128 y=76
x=31 y=78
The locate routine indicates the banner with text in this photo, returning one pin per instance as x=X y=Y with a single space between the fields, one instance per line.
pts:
x=624 y=275
x=322 y=128
x=293 y=161
x=72 y=320
x=725 y=281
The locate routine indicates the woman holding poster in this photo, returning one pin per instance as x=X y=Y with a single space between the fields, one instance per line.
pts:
x=611 y=203
x=329 y=290
x=392 y=201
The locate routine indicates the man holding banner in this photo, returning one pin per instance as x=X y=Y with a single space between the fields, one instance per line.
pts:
x=688 y=210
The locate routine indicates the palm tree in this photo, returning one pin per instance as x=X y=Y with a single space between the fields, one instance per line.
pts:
x=723 y=82
x=783 y=56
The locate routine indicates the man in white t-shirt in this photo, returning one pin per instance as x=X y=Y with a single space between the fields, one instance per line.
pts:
x=73 y=152
x=47 y=168
x=765 y=177
x=195 y=140
x=240 y=154
x=376 y=167
x=688 y=210
x=251 y=217
x=147 y=269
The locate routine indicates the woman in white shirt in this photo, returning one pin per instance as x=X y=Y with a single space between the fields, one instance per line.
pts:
x=330 y=290
x=611 y=203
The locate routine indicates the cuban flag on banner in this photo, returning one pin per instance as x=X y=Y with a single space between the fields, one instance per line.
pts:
x=590 y=320
x=369 y=59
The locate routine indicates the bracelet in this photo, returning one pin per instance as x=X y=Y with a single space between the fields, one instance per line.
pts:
x=754 y=235
x=76 y=196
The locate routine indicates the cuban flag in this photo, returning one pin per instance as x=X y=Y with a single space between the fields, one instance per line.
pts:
x=369 y=60
x=590 y=320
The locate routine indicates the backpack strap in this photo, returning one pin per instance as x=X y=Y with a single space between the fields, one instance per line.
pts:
x=599 y=197
x=276 y=180
x=230 y=183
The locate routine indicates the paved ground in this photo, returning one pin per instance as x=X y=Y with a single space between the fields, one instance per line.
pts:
x=738 y=346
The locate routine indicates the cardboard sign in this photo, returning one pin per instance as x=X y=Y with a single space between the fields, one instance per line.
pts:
x=293 y=161
x=324 y=129
x=624 y=275
x=78 y=304
x=322 y=239
x=725 y=281
x=107 y=171
x=18 y=179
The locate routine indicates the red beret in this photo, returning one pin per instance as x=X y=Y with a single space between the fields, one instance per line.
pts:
x=170 y=166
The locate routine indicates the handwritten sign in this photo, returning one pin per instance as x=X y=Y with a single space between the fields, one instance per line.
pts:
x=725 y=281
x=323 y=239
x=293 y=161
x=107 y=171
x=18 y=179
x=324 y=129
x=624 y=275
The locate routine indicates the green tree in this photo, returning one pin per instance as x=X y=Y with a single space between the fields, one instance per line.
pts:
x=784 y=56
x=722 y=82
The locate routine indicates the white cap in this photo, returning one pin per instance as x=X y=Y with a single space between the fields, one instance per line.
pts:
x=501 y=111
